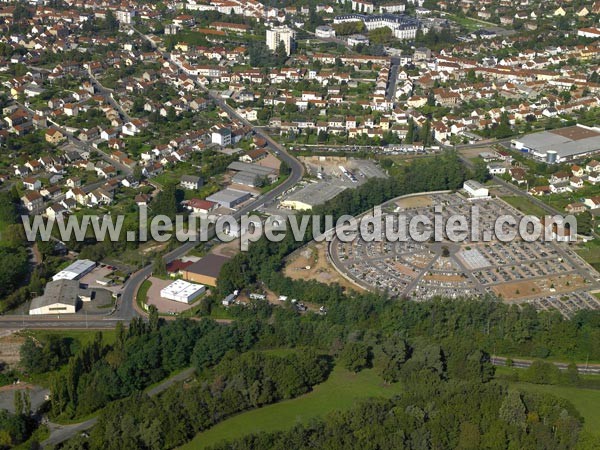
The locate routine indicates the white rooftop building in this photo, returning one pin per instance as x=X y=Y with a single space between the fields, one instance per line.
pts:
x=476 y=189
x=75 y=271
x=182 y=291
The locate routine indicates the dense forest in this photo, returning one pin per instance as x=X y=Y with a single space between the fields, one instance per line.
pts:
x=403 y=340
x=238 y=383
x=451 y=399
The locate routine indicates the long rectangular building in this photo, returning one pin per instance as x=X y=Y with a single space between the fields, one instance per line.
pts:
x=76 y=270
x=563 y=144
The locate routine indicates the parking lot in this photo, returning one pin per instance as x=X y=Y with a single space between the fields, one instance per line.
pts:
x=164 y=306
x=547 y=274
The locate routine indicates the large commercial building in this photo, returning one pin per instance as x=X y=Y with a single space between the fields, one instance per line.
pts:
x=281 y=34
x=76 y=270
x=206 y=271
x=564 y=144
x=60 y=297
x=311 y=196
x=182 y=291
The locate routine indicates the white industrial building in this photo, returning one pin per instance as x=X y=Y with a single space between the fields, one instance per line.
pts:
x=182 y=291
x=75 y=271
x=476 y=189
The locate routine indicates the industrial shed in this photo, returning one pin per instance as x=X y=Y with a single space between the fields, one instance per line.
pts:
x=76 y=270
x=312 y=195
x=60 y=297
x=563 y=144
x=182 y=291
x=229 y=198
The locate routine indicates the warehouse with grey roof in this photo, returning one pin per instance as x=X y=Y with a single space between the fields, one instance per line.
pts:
x=312 y=195
x=60 y=297
x=229 y=198
x=560 y=145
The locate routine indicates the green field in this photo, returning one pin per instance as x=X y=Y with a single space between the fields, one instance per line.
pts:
x=469 y=23
x=590 y=251
x=142 y=293
x=81 y=337
x=587 y=401
x=525 y=205
x=341 y=391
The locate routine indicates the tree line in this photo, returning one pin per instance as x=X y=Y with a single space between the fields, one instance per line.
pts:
x=238 y=383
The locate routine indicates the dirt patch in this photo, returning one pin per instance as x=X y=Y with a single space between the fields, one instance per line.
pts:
x=517 y=290
x=228 y=249
x=310 y=263
x=472 y=152
x=421 y=201
x=539 y=287
x=10 y=344
x=154 y=248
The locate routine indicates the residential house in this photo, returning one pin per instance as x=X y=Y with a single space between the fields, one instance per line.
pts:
x=54 y=136
x=198 y=206
x=575 y=208
x=191 y=182
x=55 y=211
x=254 y=155
x=592 y=202
x=31 y=184
x=33 y=202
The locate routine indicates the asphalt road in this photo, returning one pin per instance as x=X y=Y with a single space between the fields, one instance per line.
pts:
x=66 y=322
x=593 y=369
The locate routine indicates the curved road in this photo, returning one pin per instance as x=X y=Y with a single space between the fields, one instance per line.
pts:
x=126 y=308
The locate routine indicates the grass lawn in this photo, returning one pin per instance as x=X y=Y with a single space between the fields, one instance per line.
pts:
x=142 y=293
x=82 y=337
x=341 y=391
x=587 y=401
x=590 y=252
x=524 y=205
x=469 y=23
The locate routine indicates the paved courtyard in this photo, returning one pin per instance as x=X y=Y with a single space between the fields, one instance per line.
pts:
x=164 y=305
